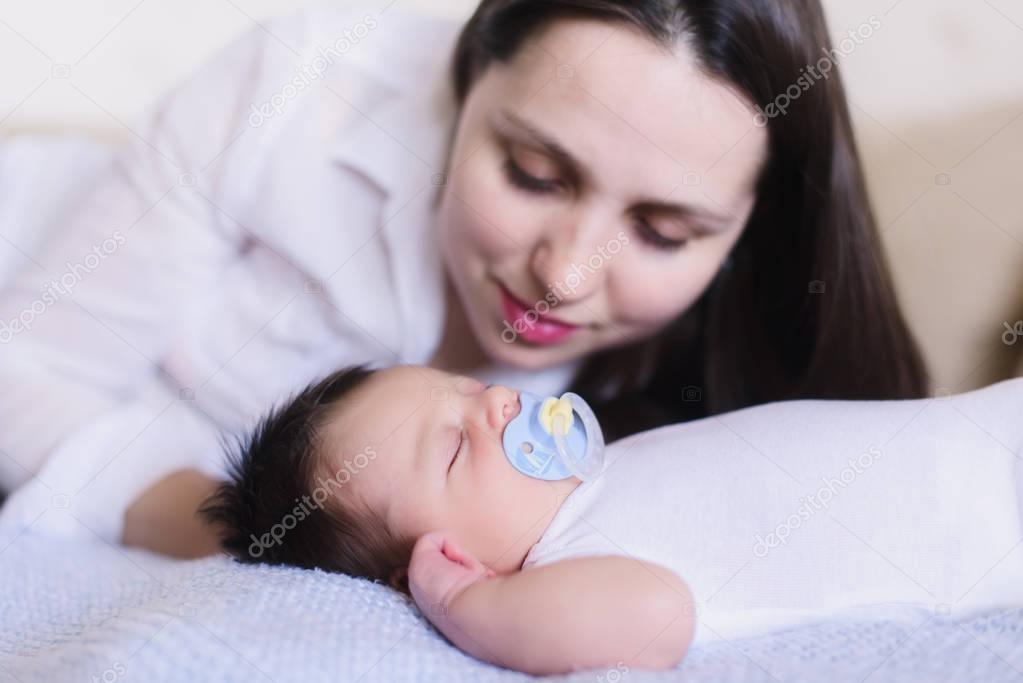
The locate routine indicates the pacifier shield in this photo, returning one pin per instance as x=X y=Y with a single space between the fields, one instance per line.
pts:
x=532 y=450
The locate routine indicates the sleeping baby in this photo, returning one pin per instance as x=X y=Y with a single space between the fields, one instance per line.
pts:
x=530 y=545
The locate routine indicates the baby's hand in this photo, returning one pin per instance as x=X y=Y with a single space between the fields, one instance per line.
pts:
x=439 y=571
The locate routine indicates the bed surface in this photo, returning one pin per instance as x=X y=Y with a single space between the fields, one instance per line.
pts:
x=73 y=609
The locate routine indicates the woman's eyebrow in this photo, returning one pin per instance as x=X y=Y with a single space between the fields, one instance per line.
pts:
x=549 y=144
x=714 y=221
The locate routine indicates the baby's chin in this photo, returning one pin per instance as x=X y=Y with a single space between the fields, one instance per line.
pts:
x=520 y=516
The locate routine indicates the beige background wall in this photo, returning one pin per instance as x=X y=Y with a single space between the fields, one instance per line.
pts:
x=937 y=101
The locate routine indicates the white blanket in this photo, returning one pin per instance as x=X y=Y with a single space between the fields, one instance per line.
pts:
x=84 y=610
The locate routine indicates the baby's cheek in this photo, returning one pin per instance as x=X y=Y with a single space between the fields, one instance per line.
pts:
x=511 y=504
x=415 y=516
x=496 y=493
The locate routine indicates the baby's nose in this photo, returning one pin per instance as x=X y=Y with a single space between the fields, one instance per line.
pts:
x=502 y=404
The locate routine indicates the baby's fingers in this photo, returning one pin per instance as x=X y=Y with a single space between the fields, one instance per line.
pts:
x=440 y=569
x=431 y=566
x=454 y=552
x=438 y=545
x=432 y=542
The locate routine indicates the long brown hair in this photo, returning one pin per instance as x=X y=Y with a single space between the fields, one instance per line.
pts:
x=805 y=306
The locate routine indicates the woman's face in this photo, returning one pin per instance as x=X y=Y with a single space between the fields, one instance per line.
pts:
x=595 y=187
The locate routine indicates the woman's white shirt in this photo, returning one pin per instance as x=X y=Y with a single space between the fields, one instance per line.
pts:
x=270 y=220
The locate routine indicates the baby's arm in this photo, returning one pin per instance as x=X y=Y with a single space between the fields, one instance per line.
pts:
x=164 y=518
x=579 y=613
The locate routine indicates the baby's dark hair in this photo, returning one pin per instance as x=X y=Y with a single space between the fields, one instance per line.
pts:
x=264 y=512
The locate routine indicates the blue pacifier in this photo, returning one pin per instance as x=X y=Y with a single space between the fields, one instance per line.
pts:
x=555 y=438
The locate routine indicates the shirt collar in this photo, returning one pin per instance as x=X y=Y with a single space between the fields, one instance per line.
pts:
x=400 y=144
x=405 y=125
x=402 y=139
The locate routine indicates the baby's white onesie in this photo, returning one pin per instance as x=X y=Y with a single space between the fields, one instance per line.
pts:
x=782 y=513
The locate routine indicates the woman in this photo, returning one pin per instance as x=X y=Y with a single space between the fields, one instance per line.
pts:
x=594 y=200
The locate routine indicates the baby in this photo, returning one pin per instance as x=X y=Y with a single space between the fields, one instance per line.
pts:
x=721 y=528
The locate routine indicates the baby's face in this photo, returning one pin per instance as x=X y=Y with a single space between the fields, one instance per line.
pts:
x=440 y=464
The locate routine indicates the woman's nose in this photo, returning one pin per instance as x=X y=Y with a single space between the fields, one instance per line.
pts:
x=500 y=405
x=571 y=264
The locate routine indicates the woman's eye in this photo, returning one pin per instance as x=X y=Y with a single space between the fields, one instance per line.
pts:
x=526 y=181
x=651 y=236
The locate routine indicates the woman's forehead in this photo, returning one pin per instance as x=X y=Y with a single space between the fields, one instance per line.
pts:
x=642 y=117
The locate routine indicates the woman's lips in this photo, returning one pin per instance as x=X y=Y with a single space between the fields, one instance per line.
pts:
x=535 y=329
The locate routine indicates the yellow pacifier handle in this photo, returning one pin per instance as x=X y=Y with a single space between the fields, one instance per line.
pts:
x=556 y=407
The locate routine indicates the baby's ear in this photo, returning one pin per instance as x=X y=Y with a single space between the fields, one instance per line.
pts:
x=398 y=580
